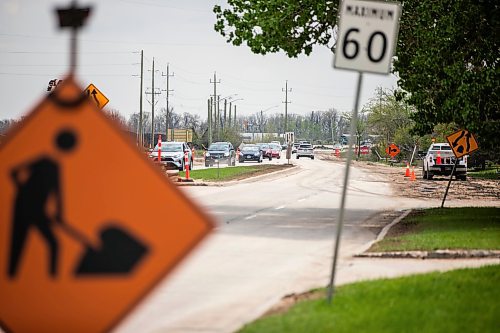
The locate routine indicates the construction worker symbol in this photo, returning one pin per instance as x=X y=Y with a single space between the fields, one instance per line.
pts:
x=39 y=206
x=462 y=143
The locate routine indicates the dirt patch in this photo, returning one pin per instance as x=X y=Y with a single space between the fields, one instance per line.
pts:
x=471 y=189
x=290 y=300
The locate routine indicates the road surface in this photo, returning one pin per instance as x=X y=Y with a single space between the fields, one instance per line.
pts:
x=273 y=237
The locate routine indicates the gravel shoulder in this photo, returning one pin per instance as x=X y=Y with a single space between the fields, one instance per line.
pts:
x=472 y=192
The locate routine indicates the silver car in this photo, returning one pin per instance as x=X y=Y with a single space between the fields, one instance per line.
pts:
x=172 y=154
x=305 y=150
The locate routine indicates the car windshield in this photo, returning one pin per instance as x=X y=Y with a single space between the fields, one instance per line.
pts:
x=305 y=147
x=274 y=146
x=264 y=146
x=251 y=149
x=170 y=147
x=218 y=147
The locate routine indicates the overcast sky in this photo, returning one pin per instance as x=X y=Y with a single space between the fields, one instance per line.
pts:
x=33 y=51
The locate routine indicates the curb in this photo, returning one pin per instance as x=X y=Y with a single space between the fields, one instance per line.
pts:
x=437 y=254
x=383 y=233
x=232 y=182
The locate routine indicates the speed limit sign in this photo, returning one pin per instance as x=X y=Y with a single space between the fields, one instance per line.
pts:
x=367 y=35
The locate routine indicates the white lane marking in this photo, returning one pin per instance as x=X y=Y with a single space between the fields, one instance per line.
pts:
x=280 y=207
x=250 y=217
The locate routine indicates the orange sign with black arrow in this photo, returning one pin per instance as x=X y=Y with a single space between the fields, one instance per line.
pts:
x=462 y=143
x=96 y=96
x=80 y=242
x=392 y=150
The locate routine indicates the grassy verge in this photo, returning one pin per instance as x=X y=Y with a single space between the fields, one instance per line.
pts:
x=485 y=174
x=231 y=173
x=447 y=228
x=458 y=301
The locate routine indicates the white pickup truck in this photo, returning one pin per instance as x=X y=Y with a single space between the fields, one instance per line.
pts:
x=431 y=166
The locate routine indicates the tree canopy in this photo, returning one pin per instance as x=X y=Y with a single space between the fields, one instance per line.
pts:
x=446 y=57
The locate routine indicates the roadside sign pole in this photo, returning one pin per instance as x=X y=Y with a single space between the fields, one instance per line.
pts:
x=340 y=220
x=449 y=182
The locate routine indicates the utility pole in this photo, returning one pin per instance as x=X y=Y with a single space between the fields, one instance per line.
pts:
x=229 y=121
x=209 y=121
x=167 y=120
x=286 y=103
x=141 y=134
x=217 y=119
x=153 y=93
x=225 y=114
x=215 y=99
x=235 y=115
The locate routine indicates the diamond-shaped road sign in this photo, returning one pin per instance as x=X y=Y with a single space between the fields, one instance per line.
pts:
x=96 y=96
x=392 y=150
x=88 y=226
x=462 y=143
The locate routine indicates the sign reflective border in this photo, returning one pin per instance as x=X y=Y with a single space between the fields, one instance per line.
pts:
x=81 y=240
x=96 y=96
x=462 y=143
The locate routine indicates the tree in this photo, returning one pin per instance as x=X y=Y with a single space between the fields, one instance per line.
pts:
x=391 y=119
x=447 y=52
x=116 y=116
x=448 y=64
x=293 y=26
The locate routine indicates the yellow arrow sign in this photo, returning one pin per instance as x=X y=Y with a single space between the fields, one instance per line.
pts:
x=96 y=96
x=462 y=143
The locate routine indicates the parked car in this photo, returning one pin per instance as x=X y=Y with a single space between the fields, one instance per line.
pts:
x=275 y=150
x=266 y=150
x=305 y=150
x=223 y=152
x=431 y=166
x=295 y=147
x=172 y=154
x=250 y=153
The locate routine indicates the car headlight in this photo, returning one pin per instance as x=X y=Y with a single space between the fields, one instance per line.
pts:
x=226 y=154
x=207 y=154
x=257 y=154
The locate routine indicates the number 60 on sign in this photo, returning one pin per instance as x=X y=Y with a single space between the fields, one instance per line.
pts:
x=367 y=35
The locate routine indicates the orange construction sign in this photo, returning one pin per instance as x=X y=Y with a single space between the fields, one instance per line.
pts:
x=462 y=143
x=392 y=150
x=81 y=241
x=96 y=96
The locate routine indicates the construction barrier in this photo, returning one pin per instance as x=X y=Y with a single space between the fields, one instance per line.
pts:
x=407 y=173
x=159 y=148
x=186 y=163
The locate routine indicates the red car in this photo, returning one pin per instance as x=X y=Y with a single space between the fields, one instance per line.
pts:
x=275 y=150
x=266 y=151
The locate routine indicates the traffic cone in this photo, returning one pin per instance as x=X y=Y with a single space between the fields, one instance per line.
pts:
x=438 y=158
x=413 y=178
x=407 y=173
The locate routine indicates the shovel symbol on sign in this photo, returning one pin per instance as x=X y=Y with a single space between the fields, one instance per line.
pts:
x=36 y=182
x=119 y=252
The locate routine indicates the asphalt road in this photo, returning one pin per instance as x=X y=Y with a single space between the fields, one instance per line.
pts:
x=274 y=236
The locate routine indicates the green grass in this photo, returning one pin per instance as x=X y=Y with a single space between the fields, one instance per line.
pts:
x=457 y=301
x=447 y=228
x=230 y=173
x=485 y=174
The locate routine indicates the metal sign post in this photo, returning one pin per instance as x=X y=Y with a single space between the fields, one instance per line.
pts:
x=366 y=41
x=462 y=143
x=352 y=132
